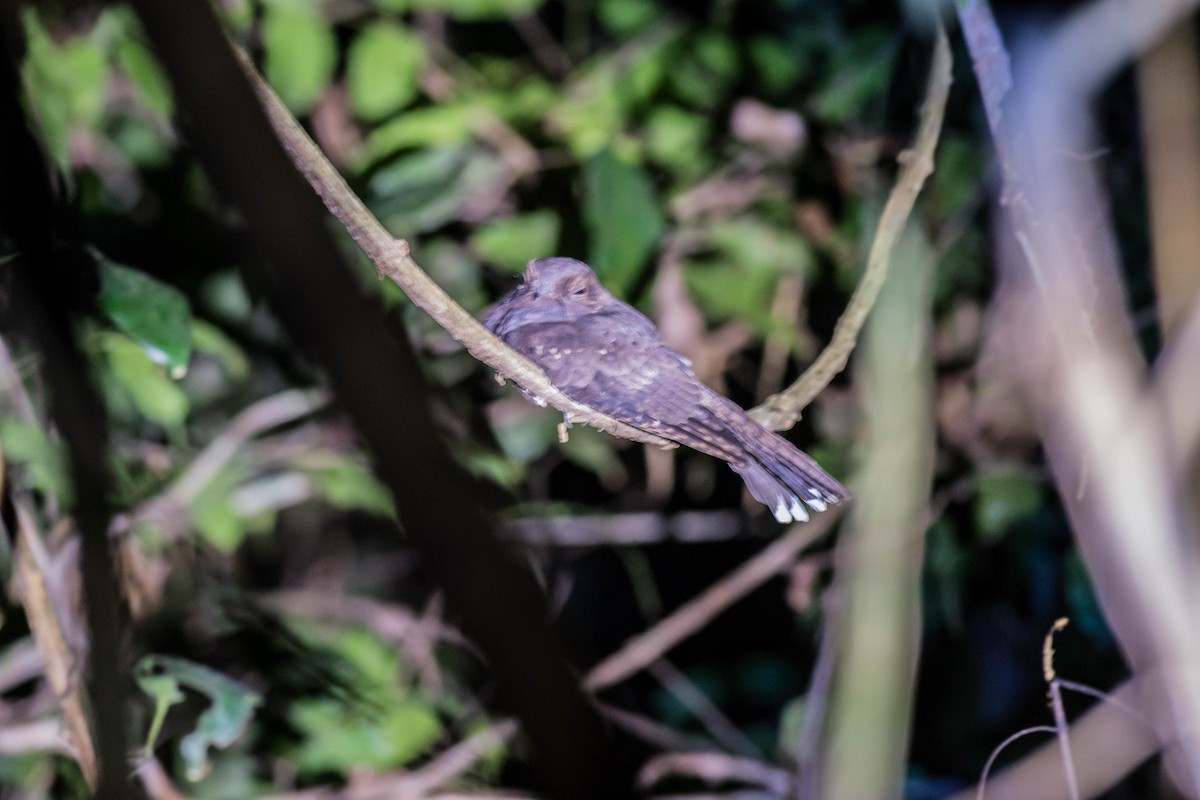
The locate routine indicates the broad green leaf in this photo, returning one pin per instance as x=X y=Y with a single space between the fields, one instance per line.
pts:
x=623 y=218
x=388 y=727
x=775 y=64
x=427 y=189
x=300 y=54
x=528 y=437
x=230 y=706
x=383 y=65
x=758 y=246
x=861 y=71
x=43 y=460
x=627 y=17
x=147 y=384
x=155 y=315
x=717 y=54
x=472 y=10
x=143 y=71
x=66 y=82
x=1001 y=500
x=675 y=139
x=593 y=450
x=439 y=125
x=209 y=339
x=349 y=486
x=337 y=739
x=213 y=514
x=512 y=242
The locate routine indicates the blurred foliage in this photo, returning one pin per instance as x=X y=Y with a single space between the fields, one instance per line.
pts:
x=488 y=133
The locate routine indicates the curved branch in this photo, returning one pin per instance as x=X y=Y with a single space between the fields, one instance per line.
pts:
x=393 y=261
x=780 y=411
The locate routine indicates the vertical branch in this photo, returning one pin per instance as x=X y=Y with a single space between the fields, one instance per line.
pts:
x=29 y=213
x=880 y=556
x=1168 y=79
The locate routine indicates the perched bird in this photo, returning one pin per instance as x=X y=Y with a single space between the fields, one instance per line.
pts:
x=607 y=355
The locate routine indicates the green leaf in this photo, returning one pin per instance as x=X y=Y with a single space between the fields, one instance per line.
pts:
x=1001 y=500
x=349 y=486
x=146 y=383
x=43 y=460
x=593 y=450
x=528 y=437
x=300 y=54
x=155 y=315
x=209 y=339
x=383 y=65
x=514 y=241
x=230 y=709
x=627 y=17
x=675 y=138
x=143 y=71
x=439 y=125
x=427 y=189
x=775 y=64
x=389 y=728
x=67 y=84
x=473 y=10
x=337 y=739
x=861 y=71
x=623 y=219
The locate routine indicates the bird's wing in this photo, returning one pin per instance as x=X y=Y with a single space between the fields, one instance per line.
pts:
x=617 y=364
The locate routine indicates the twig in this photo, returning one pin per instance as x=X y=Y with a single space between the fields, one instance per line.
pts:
x=36 y=736
x=637 y=527
x=1056 y=706
x=644 y=649
x=716 y=768
x=156 y=782
x=62 y=671
x=719 y=726
x=653 y=732
x=20 y=661
x=780 y=411
x=392 y=623
x=392 y=260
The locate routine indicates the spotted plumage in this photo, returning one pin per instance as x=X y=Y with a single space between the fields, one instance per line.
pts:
x=607 y=355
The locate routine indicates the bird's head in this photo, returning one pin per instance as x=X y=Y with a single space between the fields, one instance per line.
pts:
x=554 y=290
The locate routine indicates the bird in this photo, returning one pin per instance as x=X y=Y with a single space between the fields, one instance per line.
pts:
x=603 y=353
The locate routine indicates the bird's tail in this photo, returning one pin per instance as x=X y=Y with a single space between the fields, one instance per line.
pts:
x=783 y=478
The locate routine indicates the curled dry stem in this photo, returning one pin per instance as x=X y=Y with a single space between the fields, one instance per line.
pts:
x=781 y=411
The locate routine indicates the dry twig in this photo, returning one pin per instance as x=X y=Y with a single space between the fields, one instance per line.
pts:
x=642 y=650
x=780 y=411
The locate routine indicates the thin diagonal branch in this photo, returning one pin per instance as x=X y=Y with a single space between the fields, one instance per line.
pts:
x=780 y=411
x=645 y=648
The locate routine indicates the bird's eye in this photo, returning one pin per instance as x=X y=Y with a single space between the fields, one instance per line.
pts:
x=580 y=292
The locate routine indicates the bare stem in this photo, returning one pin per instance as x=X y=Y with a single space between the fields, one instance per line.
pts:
x=780 y=411
x=645 y=648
